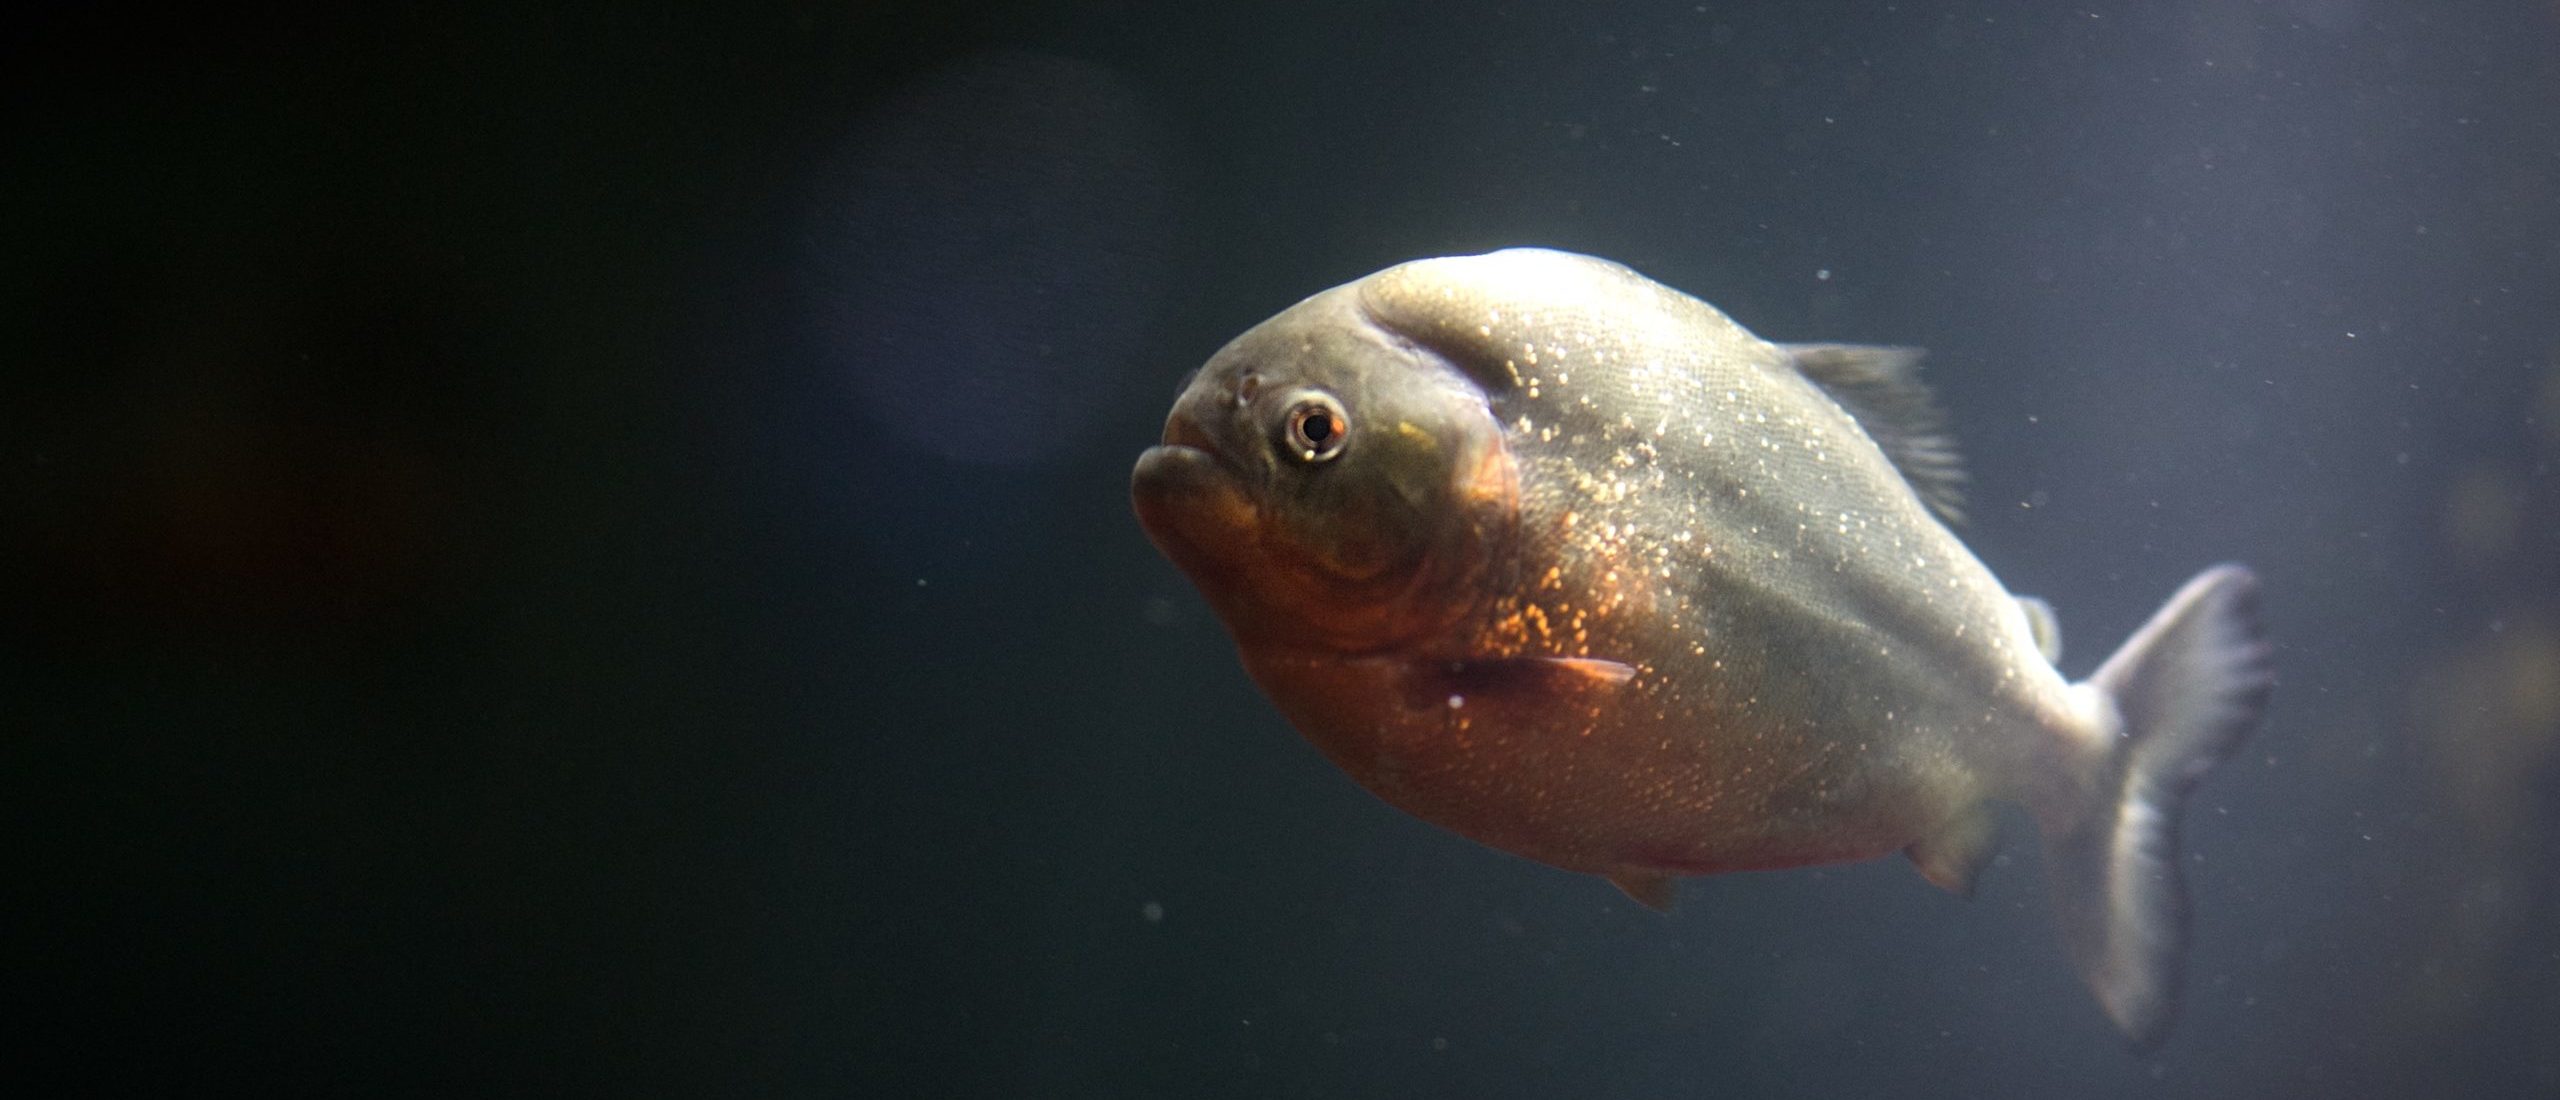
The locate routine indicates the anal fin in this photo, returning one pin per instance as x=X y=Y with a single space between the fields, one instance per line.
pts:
x=1953 y=856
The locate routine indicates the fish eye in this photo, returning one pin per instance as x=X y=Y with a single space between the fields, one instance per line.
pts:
x=1316 y=428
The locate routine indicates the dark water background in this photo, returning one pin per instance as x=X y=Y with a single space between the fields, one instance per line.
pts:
x=567 y=553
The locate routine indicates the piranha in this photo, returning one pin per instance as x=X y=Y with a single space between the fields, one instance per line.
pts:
x=1570 y=563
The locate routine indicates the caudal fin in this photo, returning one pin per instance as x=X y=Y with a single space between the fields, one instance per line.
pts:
x=2176 y=698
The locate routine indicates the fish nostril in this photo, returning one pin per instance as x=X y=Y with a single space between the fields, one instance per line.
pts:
x=1247 y=384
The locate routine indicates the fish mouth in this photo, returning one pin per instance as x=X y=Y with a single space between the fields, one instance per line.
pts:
x=1183 y=431
x=1187 y=456
x=1192 y=501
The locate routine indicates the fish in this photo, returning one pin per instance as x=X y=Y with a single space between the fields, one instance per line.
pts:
x=1570 y=563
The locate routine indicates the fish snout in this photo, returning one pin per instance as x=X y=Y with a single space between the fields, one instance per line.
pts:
x=1181 y=429
x=1187 y=488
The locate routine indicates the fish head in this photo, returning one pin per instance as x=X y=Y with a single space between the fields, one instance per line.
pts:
x=1329 y=484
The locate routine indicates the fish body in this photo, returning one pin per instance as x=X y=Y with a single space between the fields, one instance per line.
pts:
x=1568 y=562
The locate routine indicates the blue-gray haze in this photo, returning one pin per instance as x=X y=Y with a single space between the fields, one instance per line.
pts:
x=578 y=553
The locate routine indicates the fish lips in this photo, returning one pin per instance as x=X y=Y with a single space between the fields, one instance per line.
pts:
x=1194 y=504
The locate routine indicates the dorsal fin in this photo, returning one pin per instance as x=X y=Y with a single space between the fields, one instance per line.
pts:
x=1881 y=388
x=2046 y=628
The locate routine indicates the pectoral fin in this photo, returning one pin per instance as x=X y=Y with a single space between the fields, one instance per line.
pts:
x=1953 y=856
x=1532 y=680
x=1544 y=673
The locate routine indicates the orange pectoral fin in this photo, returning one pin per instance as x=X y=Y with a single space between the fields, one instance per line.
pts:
x=1568 y=675
x=1549 y=681
x=1599 y=672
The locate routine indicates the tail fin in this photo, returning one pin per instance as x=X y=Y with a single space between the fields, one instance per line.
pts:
x=2178 y=696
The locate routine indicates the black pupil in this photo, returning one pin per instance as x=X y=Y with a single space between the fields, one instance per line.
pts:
x=1318 y=427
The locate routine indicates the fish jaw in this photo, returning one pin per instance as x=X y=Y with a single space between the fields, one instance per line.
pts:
x=1196 y=508
x=1205 y=513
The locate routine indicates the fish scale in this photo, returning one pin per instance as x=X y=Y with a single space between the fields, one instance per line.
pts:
x=1748 y=455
